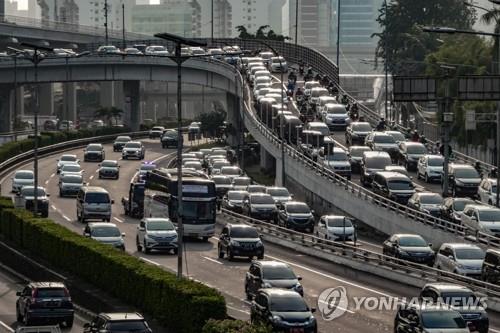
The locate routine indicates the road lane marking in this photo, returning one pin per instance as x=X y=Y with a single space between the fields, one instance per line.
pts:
x=119 y=220
x=150 y=261
x=66 y=218
x=213 y=260
x=53 y=207
x=46 y=182
x=6 y=327
x=91 y=177
x=52 y=175
x=337 y=306
x=236 y=309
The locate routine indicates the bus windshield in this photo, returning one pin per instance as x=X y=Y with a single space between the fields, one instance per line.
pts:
x=195 y=211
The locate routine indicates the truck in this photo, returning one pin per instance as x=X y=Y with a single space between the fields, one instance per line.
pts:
x=134 y=204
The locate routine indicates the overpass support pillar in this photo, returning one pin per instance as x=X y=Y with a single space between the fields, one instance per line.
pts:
x=131 y=91
x=69 y=95
x=46 y=99
x=266 y=160
x=5 y=107
x=107 y=94
x=278 y=179
x=233 y=118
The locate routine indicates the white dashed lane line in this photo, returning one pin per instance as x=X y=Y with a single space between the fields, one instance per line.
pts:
x=212 y=260
x=119 y=220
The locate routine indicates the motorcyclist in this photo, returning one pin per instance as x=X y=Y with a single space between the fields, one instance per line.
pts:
x=345 y=100
x=309 y=75
x=423 y=140
x=415 y=137
x=381 y=125
x=299 y=94
x=325 y=81
x=354 y=111
x=493 y=173
x=301 y=67
x=292 y=76
x=318 y=77
x=290 y=87
x=478 y=168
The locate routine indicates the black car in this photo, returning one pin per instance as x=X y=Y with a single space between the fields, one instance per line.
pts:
x=169 y=139
x=120 y=142
x=296 y=215
x=260 y=206
x=409 y=153
x=233 y=201
x=117 y=323
x=453 y=208
x=271 y=274
x=356 y=132
x=283 y=310
x=393 y=185
x=457 y=297
x=490 y=271
x=427 y=202
x=409 y=247
x=109 y=169
x=355 y=154
x=463 y=180
x=94 y=153
x=240 y=240
x=428 y=318
x=48 y=302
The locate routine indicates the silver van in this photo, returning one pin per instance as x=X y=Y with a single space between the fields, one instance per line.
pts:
x=94 y=203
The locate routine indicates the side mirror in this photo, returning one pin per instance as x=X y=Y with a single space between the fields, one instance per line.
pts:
x=261 y=236
x=112 y=201
x=313 y=310
x=47 y=194
x=99 y=164
x=313 y=212
x=451 y=257
x=430 y=244
x=141 y=228
x=86 y=325
x=299 y=278
x=123 y=234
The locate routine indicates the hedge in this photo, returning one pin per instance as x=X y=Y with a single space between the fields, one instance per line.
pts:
x=233 y=326
x=179 y=305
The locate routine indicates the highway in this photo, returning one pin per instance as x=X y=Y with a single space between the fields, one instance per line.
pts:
x=228 y=277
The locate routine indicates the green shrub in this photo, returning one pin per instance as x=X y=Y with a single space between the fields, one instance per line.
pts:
x=180 y=305
x=233 y=326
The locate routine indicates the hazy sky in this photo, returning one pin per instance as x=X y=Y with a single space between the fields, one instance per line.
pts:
x=23 y=4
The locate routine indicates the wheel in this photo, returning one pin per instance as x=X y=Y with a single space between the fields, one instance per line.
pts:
x=146 y=249
x=221 y=254
x=108 y=219
x=19 y=316
x=205 y=239
x=45 y=214
x=176 y=250
x=426 y=177
x=60 y=193
x=139 y=247
x=26 y=320
x=100 y=176
x=230 y=255
x=490 y=203
x=454 y=192
x=248 y=295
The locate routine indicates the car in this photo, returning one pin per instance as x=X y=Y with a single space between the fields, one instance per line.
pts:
x=66 y=159
x=490 y=270
x=222 y=184
x=356 y=132
x=316 y=93
x=355 y=154
x=93 y=202
x=156 y=132
x=398 y=169
x=22 y=178
x=430 y=168
x=260 y=206
x=50 y=125
x=380 y=141
x=308 y=86
x=460 y=258
x=117 y=323
x=156 y=234
x=338 y=161
x=25 y=198
x=429 y=318
x=96 y=123
x=397 y=135
x=409 y=247
x=371 y=162
x=409 y=154
x=336 y=227
x=463 y=180
x=196 y=165
x=233 y=200
x=156 y=50
x=296 y=215
x=71 y=169
x=393 y=185
x=240 y=240
x=70 y=184
x=109 y=169
x=283 y=310
x=216 y=53
x=106 y=233
x=453 y=208
x=256 y=188
x=66 y=125
x=335 y=115
x=279 y=64
x=240 y=183
x=94 y=152
x=108 y=49
x=279 y=194
x=144 y=168
x=461 y=299
x=266 y=57
x=169 y=139
x=481 y=218
x=132 y=51
x=427 y=202
x=45 y=302
x=133 y=149
x=231 y=172
x=216 y=165
x=271 y=274
x=487 y=191
x=120 y=141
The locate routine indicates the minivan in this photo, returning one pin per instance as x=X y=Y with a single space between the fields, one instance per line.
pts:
x=393 y=185
x=372 y=162
x=93 y=202
x=490 y=271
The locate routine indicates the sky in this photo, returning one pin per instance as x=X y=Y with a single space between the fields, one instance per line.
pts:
x=23 y=4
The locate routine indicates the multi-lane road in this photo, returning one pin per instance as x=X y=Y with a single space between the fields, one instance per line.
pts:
x=228 y=277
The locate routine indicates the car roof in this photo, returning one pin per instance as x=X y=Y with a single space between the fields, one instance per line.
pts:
x=411 y=143
x=259 y=194
x=461 y=246
x=333 y=217
x=441 y=286
x=456 y=165
x=240 y=226
x=393 y=175
x=482 y=207
x=102 y=224
x=280 y=292
x=122 y=316
x=376 y=153
x=47 y=284
x=270 y=263
x=291 y=203
x=406 y=235
x=25 y=171
x=94 y=189
x=156 y=219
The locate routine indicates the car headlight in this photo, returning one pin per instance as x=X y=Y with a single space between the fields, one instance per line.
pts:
x=266 y=285
x=277 y=319
x=297 y=287
x=403 y=253
x=310 y=320
x=235 y=243
x=459 y=265
x=259 y=243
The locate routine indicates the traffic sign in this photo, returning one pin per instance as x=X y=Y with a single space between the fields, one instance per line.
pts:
x=479 y=88
x=470 y=120
x=414 y=89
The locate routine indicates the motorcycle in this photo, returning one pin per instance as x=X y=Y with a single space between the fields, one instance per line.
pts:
x=301 y=70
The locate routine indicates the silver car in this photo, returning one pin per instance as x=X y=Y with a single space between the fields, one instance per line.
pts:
x=463 y=259
x=70 y=184
x=22 y=178
x=156 y=234
x=107 y=233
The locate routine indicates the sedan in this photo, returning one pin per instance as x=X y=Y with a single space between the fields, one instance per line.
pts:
x=409 y=247
x=70 y=184
x=75 y=169
x=105 y=232
x=336 y=227
x=109 y=169
x=66 y=159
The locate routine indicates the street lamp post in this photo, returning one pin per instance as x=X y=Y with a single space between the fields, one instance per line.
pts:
x=497 y=71
x=385 y=65
x=123 y=26
x=179 y=59
x=338 y=37
x=106 y=21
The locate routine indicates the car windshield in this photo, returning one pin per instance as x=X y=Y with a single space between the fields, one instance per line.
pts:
x=431 y=199
x=459 y=205
x=278 y=192
x=133 y=145
x=288 y=304
x=241 y=181
x=109 y=164
x=337 y=110
x=235 y=195
x=412 y=241
x=157 y=48
x=94 y=148
x=71 y=168
x=127 y=326
x=230 y=171
x=400 y=185
x=298 y=209
x=319 y=93
x=378 y=162
x=416 y=150
x=337 y=156
x=278 y=273
x=256 y=189
x=24 y=175
x=383 y=139
x=30 y=191
x=70 y=179
x=97 y=198
x=244 y=232
x=148 y=167
x=361 y=127
x=397 y=136
x=358 y=152
x=105 y=232
x=160 y=226
x=489 y=215
x=262 y=199
x=123 y=139
x=68 y=158
x=157 y=129
x=442 y=319
x=459 y=298
x=436 y=161
x=171 y=134
x=469 y=254
x=222 y=180
x=51 y=293
x=466 y=173
x=339 y=222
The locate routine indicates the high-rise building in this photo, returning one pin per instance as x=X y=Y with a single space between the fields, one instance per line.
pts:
x=92 y=13
x=222 y=18
x=315 y=22
x=180 y=17
x=59 y=10
x=253 y=14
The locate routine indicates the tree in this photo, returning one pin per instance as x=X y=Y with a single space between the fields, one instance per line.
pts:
x=493 y=16
x=244 y=32
x=108 y=113
x=260 y=33
x=213 y=120
x=402 y=38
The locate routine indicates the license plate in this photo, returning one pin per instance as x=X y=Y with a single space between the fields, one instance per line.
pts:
x=297 y=330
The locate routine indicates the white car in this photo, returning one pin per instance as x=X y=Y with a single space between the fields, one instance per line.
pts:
x=482 y=218
x=266 y=57
x=463 y=259
x=335 y=115
x=145 y=168
x=230 y=171
x=156 y=234
x=156 y=132
x=22 y=178
x=66 y=159
x=430 y=167
x=108 y=49
x=216 y=53
x=241 y=183
x=278 y=64
x=66 y=125
x=308 y=86
x=132 y=51
x=72 y=168
x=336 y=227
x=157 y=50
x=487 y=191
x=338 y=161
x=106 y=233
x=279 y=194
x=133 y=149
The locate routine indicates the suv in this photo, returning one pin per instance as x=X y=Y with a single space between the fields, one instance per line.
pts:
x=271 y=274
x=44 y=301
x=429 y=318
x=156 y=234
x=133 y=149
x=461 y=299
x=120 y=142
x=356 y=132
x=487 y=191
x=26 y=199
x=117 y=323
x=106 y=233
x=430 y=167
x=156 y=132
x=66 y=159
x=460 y=258
x=409 y=154
x=338 y=161
x=94 y=152
x=233 y=200
x=240 y=240
x=296 y=215
x=372 y=162
x=453 y=208
x=463 y=180
x=70 y=184
x=93 y=202
x=490 y=271
x=393 y=185
x=427 y=202
x=260 y=206
x=279 y=194
x=482 y=218
x=109 y=169
x=336 y=227
x=169 y=138
x=379 y=141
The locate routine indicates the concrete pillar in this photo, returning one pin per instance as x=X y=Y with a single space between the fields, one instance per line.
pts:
x=5 y=108
x=278 y=179
x=131 y=90
x=119 y=97
x=46 y=99
x=69 y=101
x=266 y=160
x=232 y=118
x=20 y=101
x=107 y=93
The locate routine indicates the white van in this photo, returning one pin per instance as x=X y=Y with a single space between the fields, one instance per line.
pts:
x=94 y=203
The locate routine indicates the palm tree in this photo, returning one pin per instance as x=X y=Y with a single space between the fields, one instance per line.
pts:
x=108 y=113
x=493 y=16
x=244 y=34
x=116 y=114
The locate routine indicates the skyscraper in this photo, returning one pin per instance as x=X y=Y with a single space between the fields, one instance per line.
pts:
x=92 y=13
x=222 y=18
x=315 y=22
x=253 y=14
x=59 y=10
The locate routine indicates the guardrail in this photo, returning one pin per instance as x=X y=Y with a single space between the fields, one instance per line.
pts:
x=356 y=257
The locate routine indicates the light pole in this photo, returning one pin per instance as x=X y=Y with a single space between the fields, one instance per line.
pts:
x=106 y=20
x=123 y=26
x=212 y=23
x=497 y=71
x=385 y=63
x=296 y=25
x=179 y=59
x=338 y=38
